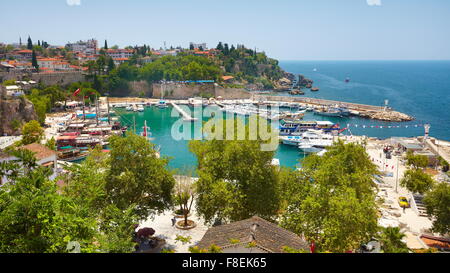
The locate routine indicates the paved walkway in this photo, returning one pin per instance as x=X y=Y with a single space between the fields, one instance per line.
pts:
x=162 y=224
x=409 y=220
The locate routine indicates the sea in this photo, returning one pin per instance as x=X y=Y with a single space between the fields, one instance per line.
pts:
x=418 y=88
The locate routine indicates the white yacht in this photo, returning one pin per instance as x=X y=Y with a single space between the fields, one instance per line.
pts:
x=291 y=140
x=315 y=141
x=140 y=108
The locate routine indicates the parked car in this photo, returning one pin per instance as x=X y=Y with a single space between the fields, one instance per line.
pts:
x=403 y=202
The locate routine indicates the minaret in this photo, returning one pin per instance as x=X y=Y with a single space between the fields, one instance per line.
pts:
x=20 y=41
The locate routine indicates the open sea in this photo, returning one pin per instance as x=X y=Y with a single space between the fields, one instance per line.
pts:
x=418 y=88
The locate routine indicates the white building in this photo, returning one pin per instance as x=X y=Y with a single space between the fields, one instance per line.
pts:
x=14 y=91
x=120 y=53
x=44 y=157
x=86 y=47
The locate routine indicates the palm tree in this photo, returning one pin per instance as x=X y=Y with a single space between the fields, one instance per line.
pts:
x=391 y=240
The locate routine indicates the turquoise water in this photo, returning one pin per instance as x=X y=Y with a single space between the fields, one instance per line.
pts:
x=420 y=89
x=160 y=122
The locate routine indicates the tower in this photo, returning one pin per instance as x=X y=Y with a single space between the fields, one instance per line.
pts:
x=427 y=130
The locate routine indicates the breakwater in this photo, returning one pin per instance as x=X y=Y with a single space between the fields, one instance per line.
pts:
x=362 y=110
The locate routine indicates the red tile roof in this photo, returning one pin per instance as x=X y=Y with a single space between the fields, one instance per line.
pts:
x=40 y=150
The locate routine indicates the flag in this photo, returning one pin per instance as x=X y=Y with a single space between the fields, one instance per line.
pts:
x=77 y=92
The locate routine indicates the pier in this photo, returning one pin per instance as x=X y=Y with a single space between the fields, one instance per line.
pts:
x=186 y=116
x=363 y=110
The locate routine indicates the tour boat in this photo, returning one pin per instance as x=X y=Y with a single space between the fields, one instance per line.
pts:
x=298 y=127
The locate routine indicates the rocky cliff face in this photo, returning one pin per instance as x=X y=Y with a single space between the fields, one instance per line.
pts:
x=14 y=112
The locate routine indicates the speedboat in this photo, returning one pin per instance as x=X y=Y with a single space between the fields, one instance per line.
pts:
x=140 y=108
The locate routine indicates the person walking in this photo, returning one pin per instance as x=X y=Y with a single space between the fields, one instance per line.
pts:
x=174 y=220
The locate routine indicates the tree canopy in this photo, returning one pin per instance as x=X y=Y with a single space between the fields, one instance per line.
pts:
x=336 y=206
x=437 y=203
x=236 y=178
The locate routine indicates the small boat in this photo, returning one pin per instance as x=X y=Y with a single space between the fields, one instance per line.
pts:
x=328 y=112
x=314 y=89
x=140 y=108
x=347 y=80
x=71 y=154
x=162 y=104
x=129 y=108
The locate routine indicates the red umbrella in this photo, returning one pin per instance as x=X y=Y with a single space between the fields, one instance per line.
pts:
x=145 y=232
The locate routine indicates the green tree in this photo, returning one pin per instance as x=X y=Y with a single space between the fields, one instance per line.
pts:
x=30 y=43
x=32 y=132
x=184 y=195
x=219 y=46
x=236 y=178
x=34 y=62
x=391 y=240
x=34 y=218
x=138 y=177
x=85 y=184
x=337 y=210
x=416 y=161
x=51 y=144
x=417 y=181
x=437 y=203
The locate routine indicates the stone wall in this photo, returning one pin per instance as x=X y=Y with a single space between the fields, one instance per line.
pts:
x=185 y=91
x=232 y=93
x=59 y=78
x=140 y=89
x=182 y=91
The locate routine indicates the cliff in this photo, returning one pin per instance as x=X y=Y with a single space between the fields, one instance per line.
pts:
x=14 y=112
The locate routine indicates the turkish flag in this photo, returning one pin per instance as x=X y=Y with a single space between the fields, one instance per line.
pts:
x=77 y=92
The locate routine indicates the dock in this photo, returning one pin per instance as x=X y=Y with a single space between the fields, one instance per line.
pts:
x=186 y=116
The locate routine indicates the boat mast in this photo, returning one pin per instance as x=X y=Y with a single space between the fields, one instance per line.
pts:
x=145 y=129
x=96 y=109
x=107 y=105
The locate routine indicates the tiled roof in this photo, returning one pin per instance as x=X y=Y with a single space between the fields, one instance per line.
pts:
x=436 y=242
x=266 y=235
x=40 y=150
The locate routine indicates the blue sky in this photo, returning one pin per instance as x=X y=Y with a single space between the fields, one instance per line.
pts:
x=284 y=29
